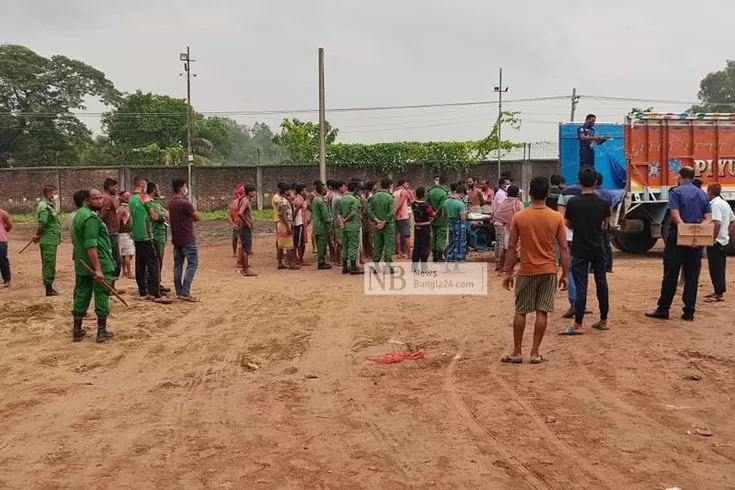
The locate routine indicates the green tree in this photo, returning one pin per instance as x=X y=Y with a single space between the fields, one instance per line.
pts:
x=37 y=98
x=717 y=91
x=489 y=145
x=301 y=139
x=144 y=118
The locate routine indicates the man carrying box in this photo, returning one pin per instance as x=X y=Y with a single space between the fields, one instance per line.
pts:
x=687 y=205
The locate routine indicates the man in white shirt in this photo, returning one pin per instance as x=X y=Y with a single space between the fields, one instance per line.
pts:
x=724 y=220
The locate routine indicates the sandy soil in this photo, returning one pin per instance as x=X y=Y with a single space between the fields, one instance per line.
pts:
x=264 y=385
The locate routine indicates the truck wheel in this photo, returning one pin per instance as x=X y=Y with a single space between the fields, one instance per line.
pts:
x=633 y=243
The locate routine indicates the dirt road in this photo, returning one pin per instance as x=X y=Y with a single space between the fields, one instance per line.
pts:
x=264 y=385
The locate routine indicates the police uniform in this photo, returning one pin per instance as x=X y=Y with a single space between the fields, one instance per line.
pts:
x=89 y=231
x=48 y=221
x=322 y=218
x=349 y=207
x=692 y=204
x=435 y=198
x=383 y=207
x=586 y=147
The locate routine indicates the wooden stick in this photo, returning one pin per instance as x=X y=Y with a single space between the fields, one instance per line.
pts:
x=107 y=286
x=24 y=248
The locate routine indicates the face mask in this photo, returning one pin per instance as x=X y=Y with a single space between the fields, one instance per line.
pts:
x=186 y=191
x=55 y=197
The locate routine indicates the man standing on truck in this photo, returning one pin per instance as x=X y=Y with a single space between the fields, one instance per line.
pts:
x=587 y=141
x=687 y=205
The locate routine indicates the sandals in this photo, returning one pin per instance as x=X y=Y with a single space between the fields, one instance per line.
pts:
x=508 y=359
x=538 y=360
x=714 y=299
x=598 y=326
x=248 y=274
x=571 y=332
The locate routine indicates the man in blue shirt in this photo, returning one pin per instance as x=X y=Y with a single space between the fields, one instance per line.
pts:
x=587 y=141
x=687 y=204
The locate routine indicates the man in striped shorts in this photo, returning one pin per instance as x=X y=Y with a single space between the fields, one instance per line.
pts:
x=538 y=228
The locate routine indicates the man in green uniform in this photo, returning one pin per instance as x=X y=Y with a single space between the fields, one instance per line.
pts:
x=436 y=197
x=382 y=210
x=92 y=247
x=159 y=228
x=147 y=272
x=349 y=216
x=322 y=219
x=48 y=237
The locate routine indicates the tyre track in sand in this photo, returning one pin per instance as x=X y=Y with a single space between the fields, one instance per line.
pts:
x=482 y=432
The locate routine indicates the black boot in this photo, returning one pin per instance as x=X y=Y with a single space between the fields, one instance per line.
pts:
x=50 y=291
x=324 y=266
x=345 y=268
x=78 y=333
x=102 y=334
x=355 y=269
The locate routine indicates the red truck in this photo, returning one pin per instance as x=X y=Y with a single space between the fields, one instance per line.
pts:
x=656 y=146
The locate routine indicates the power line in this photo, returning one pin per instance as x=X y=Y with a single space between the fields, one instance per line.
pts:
x=292 y=111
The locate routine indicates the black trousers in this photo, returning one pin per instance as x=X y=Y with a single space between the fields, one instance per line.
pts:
x=580 y=276
x=4 y=262
x=115 y=242
x=421 y=244
x=717 y=260
x=147 y=272
x=608 y=253
x=677 y=258
x=586 y=157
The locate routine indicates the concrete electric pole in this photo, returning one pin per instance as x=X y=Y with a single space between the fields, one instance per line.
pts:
x=500 y=90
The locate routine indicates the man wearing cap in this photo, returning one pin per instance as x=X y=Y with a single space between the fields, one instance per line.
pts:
x=687 y=205
x=93 y=249
x=48 y=237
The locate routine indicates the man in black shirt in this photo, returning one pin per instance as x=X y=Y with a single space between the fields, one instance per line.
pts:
x=423 y=214
x=588 y=215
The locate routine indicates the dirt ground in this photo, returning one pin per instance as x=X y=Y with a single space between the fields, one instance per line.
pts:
x=264 y=385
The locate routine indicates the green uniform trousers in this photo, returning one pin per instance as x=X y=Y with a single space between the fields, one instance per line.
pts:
x=84 y=287
x=438 y=238
x=385 y=242
x=321 y=247
x=48 y=262
x=350 y=244
x=160 y=247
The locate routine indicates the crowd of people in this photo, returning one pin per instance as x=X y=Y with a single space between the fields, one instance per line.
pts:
x=357 y=221
x=350 y=223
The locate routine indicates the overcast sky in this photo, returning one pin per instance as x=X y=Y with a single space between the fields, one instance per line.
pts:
x=263 y=55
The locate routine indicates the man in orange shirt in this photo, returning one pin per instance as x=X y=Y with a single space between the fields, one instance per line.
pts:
x=538 y=228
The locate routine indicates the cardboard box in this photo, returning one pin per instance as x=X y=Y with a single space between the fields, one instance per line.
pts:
x=695 y=235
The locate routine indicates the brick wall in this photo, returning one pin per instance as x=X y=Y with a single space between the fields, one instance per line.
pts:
x=20 y=188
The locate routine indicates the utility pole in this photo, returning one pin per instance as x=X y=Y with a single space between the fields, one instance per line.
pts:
x=186 y=58
x=575 y=101
x=322 y=122
x=500 y=90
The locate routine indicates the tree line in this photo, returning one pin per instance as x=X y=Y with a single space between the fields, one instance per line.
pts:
x=39 y=126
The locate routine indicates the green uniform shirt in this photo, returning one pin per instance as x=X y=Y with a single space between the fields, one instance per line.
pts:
x=89 y=231
x=139 y=205
x=321 y=215
x=158 y=228
x=454 y=208
x=435 y=198
x=382 y=206
x=350 y=206
x=49 y=222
